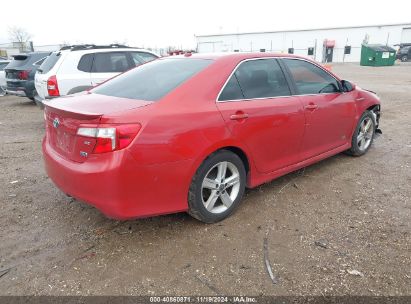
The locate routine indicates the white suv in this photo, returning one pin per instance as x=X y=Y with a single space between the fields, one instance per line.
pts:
x=78 y=68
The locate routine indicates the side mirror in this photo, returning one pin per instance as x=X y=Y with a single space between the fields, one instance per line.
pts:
x=347 y=86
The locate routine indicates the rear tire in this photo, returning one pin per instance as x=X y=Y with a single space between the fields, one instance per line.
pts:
x=363 y=135
x=217 y=187
x=404 y=58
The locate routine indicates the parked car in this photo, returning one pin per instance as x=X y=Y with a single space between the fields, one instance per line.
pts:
x=3 y=64
x=78 y=68
x=20 y=73
x=404 y=53
x=189 y=133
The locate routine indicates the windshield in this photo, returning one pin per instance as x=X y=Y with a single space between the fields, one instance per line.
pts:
x=49 y=63
x=153 y=80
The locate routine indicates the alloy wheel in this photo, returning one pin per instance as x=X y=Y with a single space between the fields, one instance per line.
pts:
x=220 y=187
x=365 y=133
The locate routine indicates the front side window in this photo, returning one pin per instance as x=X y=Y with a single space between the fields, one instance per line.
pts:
x=113 y=62
x=153 y=80
x=311 y=79
x=262 y=78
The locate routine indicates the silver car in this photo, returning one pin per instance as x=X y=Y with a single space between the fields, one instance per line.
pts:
x=3 y=64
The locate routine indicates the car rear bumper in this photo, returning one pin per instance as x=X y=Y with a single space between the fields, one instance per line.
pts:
x=39 y=101
x=23 y=88
x=119 y=187
x=17 y=92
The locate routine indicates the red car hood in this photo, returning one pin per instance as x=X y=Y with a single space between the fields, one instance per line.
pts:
x=94 y=104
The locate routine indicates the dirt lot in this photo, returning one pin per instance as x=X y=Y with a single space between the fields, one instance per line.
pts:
x=338 y=227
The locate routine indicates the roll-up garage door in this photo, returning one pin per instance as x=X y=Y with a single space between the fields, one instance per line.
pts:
x=406 y=35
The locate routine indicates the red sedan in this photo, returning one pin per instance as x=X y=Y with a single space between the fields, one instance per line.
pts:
x=189 y=133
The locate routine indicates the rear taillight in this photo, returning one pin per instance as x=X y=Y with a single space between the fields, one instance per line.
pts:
x=110 y=137
x=24 y=75
x=52 y=86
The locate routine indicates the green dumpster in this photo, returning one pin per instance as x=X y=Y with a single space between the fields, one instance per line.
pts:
x=377 y=55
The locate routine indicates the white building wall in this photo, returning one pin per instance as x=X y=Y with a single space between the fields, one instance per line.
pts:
x=279 y=42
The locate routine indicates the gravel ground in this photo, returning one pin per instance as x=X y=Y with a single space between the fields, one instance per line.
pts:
x=340 y=227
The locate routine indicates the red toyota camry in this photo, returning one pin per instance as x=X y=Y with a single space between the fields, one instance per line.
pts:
x=189 y=133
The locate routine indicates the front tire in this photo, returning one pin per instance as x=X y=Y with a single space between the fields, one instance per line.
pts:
x=404 y=58
x=363 y=135
x=217 y=187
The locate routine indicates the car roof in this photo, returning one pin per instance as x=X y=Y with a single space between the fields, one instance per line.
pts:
x=105 y=50
x=234 y=55
x=238 y=57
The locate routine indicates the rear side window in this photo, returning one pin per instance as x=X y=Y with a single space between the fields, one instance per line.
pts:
x=232 y=90
x=311 y=79
x=85 y=63
x=262 y=78
x=114 y=62
x=39 y=62
x=153 y=80
x=137 y=60
x=49 y=62
x=142 y=57
x=3 y=65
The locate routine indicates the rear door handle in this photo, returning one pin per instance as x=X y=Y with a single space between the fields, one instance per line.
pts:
x=239 y=116
x=311 y=106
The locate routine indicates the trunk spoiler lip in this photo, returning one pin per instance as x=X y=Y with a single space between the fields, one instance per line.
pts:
x=53 y=103
x=70 y=114
x=370 y=91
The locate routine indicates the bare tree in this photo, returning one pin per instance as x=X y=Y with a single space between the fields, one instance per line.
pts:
x=20 y=36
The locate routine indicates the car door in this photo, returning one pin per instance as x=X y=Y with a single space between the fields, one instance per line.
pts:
x=259 y=110
x=107 y=65
x=329 y=112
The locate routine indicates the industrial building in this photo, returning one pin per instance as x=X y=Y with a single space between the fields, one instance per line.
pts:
x=338 y=44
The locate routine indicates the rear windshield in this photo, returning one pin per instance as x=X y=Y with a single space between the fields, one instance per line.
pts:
x=18 y=61
x=153 y=80
x=22 y=60
x=49 y=63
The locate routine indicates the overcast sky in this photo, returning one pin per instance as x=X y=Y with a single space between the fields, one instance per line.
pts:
x=174 y=23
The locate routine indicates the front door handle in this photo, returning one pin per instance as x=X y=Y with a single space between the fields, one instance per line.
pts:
x=311 y=106
x=239 y=116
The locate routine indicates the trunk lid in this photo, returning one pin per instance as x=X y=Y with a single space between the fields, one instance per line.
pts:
x=13 y=74
x=64 y=115
x=13 y=83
